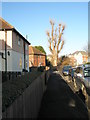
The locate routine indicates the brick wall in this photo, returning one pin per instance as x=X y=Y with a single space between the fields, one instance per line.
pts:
x=36 y=60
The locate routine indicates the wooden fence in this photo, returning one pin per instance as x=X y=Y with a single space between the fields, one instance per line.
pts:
x=28 y=104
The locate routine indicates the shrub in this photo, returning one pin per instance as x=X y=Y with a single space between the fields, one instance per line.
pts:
x=24 y=70
x=11 y=89
x=41 y=68
x=48 y=63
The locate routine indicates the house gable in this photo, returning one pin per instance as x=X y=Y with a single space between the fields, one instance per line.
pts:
x=6 y=26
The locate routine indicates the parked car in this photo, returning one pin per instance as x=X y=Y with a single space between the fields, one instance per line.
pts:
x=82 y=79
x=65 y=70
x=71 y=73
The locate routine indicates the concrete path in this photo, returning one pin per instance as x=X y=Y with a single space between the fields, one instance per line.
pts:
x=60 y=102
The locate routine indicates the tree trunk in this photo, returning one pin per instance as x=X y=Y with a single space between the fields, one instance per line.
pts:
x=55 y=59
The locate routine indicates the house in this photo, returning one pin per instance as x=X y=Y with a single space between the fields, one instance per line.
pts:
x=36 y=57
x=73 y=61
x=14 y=49
x=79 y=57
x=49 y=57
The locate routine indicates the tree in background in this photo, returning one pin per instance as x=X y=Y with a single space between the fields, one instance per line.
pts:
x=48 y=63
x=65 y=61
x=41 y=49
x=60 y=59
x=55 y=41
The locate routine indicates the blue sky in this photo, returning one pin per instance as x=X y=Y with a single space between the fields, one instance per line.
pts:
x=33 y=19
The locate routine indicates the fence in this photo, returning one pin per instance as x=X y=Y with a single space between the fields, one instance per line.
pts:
x=10 y=75
x=28 y=104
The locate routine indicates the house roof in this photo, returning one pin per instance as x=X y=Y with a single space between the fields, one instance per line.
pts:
x=6 y=26
x=82 y=52
x=35 y=51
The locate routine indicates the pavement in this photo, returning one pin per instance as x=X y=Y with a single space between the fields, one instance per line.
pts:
x=59 y=101
x=0 y=101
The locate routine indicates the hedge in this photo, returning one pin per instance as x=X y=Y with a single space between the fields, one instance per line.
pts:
x=11 y=89
x=41 y=68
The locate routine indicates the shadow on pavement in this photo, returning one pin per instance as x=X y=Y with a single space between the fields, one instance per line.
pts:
x=60 y=102
x=80 y=94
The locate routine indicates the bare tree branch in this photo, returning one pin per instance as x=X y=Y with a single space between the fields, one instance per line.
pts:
x=54 y=41
x=60 y=33
x=61 y=46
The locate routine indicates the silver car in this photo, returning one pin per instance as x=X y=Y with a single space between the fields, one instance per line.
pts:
x=82 y=79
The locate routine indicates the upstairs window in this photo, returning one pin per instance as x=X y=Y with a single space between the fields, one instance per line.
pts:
x=19 y=41
x=26 y=48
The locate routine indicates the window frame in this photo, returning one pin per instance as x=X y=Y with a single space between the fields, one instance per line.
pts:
x=19 y=41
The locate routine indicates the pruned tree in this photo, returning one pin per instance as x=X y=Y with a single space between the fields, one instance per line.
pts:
x=55 y=41
x=41 y=49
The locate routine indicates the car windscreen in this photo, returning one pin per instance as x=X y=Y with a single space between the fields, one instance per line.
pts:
x=87 y=72
x=74 y=69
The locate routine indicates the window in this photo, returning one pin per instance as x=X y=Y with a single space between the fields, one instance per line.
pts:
x=87 y=72
x=19 y=41
x=20 y=63
x=16 y=37
x=22 y=43
x=26 y=47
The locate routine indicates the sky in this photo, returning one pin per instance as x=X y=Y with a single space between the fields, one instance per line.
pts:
x=32 y=19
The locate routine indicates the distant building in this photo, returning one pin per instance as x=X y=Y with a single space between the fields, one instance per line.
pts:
x=73 y=61
x=79 y=57
x=17 y=49
x=49 y=57
x=36 y=57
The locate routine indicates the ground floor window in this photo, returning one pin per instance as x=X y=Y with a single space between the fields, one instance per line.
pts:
x=20 y=63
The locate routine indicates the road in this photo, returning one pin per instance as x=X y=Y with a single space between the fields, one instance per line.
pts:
x=59 y=101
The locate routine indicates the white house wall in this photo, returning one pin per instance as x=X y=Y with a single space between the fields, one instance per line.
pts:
x=78 y=57
x=16 y=61
x=16 y=57
x=13 y=62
